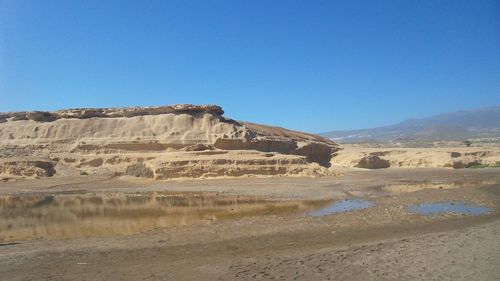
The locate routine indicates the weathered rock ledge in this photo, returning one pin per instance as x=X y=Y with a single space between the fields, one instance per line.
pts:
x=86 y=113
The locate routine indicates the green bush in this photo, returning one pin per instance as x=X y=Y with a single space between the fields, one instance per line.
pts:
x=475 y=165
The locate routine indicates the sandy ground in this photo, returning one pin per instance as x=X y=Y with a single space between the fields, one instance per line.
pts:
x=385 y=242
x=442 y=155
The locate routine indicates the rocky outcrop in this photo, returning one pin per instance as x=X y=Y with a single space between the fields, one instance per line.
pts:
x=410 y=157
x=275 y=139
x=235 y=164
x=27 y=168
x=112 y=139
x=373 y=162
x=265 y=145
x=87 y=113
x=198 y=147
x=314 y=151
x=139 y=170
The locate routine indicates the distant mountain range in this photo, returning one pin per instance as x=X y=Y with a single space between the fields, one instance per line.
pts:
x=460 y=125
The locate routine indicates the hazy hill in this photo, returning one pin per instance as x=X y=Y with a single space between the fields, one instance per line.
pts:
x=477 y=123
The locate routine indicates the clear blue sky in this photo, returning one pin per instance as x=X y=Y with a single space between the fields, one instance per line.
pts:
x=307 y=65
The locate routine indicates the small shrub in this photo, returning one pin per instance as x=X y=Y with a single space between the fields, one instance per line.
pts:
x=139 y=170
x=467 y=143
x=83 y=173
x=475 y=164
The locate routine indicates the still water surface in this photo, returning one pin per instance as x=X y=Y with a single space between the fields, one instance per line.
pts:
x=342 y=206
x=449 y=207
x=65 y=216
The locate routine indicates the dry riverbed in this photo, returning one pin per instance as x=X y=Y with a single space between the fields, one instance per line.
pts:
x=97 y=228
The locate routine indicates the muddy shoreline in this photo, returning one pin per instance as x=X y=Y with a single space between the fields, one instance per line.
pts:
x=385 y=242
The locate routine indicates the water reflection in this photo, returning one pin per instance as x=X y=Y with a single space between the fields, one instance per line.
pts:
x=342 y=206
x=412 y=187
x=449 y=207
x=65 y=216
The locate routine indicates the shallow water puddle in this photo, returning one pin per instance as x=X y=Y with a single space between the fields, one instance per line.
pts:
x=342 y=206
x=412 y=187
x=85 y=215
x=429 y=209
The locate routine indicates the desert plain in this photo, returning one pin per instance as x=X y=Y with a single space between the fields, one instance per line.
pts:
x=182 y=193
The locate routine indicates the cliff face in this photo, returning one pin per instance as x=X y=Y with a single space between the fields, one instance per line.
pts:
x=145 y=134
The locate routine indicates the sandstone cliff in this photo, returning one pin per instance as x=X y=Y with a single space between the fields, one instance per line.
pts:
x=170 y=141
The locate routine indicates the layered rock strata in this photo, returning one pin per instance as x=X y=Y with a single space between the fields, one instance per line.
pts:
x=111 y=140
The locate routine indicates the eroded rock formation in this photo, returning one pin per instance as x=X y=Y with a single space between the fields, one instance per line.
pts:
x=27 y=168
x=87 y=113
x=373 y=162
x=447 y=156
x=160 y=140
